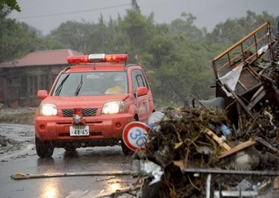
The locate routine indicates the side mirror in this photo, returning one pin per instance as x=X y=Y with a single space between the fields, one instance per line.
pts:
x=42 y=94
x=141 y=91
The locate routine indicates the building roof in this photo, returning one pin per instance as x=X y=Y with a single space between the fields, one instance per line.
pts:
x=40 y=58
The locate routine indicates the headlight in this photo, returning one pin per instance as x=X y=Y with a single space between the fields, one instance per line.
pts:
x=113 y=107
x=48 y=110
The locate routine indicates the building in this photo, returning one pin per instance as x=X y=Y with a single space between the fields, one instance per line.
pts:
x=21 y=78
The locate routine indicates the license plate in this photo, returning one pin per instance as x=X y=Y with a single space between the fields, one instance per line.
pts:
x=79 y=130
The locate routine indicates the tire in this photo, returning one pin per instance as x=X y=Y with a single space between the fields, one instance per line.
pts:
x=44 y=149
x=125 y=149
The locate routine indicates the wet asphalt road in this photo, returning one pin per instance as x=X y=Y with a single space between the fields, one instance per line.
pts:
x=85 y=160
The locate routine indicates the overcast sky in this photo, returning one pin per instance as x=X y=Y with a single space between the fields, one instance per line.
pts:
x=46 y=15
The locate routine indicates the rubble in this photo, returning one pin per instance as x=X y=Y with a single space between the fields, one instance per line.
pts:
x=180 y=145
x=224 y=148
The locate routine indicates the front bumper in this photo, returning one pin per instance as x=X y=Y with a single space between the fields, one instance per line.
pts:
x=54 y=128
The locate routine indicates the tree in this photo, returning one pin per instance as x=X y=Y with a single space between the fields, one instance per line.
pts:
x=232 y=30
x=187 y=71
x=180 y=62
x=48 y=43
x=9 y=4
x=17 y=39
x=138 y=30
x=74 y=35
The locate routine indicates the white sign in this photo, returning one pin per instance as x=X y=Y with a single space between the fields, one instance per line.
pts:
x=135 y=135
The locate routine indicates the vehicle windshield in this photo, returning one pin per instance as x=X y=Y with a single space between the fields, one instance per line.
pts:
x=91 y=83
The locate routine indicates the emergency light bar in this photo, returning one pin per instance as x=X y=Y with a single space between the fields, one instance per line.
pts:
x=97 y=58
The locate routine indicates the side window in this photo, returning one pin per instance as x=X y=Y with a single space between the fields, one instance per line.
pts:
x=138 y=80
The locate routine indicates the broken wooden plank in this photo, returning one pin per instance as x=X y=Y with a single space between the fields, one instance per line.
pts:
x=271 y=88
x=218 y=139
x=232 y=172
x=276 y=184
x=237 y=148
x=267 y=144
x=19 y=176
x=239 y=100
x=258 y=96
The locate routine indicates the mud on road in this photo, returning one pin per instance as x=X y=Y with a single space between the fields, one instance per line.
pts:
x=16 y=129
x=17 y=116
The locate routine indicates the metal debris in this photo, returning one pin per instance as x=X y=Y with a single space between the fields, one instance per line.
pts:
x=224 y=147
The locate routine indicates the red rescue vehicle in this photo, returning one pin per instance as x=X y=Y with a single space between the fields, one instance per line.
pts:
x=90 y=103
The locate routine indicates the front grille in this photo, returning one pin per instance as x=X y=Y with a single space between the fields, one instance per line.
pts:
x=89 y=112
x=85 y=112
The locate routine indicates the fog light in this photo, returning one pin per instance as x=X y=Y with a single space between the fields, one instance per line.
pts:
x=118 y=124
x=42 y=126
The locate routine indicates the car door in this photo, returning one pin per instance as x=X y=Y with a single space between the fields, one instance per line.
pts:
x=142 y=102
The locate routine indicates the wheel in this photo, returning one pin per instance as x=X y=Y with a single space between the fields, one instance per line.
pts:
x=44 y=149
x=125 y=149
x=70 y=149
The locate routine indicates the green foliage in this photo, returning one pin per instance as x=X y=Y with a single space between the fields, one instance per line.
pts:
x=9 y=4
x=74 y=35
x=16 y=39
x=185 y=28
x=51 y=44
x=138 y=31
x=232 y=30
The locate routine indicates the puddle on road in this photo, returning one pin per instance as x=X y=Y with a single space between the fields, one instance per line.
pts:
x=108 y=187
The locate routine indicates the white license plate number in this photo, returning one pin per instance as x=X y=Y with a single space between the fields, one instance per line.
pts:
x=79 y=130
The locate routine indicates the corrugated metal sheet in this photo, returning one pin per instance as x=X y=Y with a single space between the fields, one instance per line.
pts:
x=40 y=58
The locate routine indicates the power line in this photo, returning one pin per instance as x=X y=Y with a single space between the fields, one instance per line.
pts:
x=65 y=13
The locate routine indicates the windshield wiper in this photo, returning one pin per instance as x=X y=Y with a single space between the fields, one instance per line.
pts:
x=79 y=86
x=58 y=89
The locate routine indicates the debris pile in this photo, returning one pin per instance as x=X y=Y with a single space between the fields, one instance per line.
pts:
x=193 y=140
x=228 y=146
